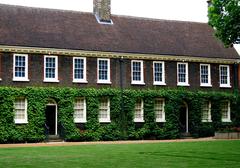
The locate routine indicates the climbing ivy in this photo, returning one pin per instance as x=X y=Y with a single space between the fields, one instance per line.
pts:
x=122 y=105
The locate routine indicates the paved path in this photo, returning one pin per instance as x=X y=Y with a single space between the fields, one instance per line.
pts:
x=101 y=142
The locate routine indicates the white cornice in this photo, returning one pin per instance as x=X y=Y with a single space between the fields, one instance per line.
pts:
x=84 y=53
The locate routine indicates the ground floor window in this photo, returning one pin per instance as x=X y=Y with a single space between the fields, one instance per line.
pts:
x=20 y=109
x=159 y=109
x=80 y=110
x=138 y=111
x=206 y=112
x=104 y=110
x=226 y=111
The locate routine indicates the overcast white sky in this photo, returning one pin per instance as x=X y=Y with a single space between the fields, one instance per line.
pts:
x=186 y=10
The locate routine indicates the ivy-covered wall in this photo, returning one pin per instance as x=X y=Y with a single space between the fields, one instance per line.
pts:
x=122 y=105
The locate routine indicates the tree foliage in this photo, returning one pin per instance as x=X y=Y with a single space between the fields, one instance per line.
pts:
x=224 y=17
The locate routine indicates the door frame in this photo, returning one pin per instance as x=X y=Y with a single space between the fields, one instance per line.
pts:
x=52 y=102
x=186 y=106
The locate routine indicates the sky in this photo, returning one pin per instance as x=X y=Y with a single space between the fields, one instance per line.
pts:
x=185 y=10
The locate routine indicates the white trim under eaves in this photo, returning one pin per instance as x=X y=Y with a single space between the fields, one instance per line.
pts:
x=103 y=54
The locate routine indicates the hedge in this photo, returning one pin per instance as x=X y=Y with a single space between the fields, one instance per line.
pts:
x=122 y=105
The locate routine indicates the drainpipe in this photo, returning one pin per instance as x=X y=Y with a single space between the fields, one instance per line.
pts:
x=235 y=77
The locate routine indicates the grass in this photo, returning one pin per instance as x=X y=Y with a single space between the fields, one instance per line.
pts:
x=175 y=154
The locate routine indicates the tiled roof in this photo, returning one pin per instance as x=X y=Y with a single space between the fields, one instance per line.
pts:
x=38 y=27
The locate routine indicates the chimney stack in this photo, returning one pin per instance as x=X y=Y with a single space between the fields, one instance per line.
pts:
x=102 y=10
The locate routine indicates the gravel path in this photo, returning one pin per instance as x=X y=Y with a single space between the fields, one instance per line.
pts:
x=101 y=142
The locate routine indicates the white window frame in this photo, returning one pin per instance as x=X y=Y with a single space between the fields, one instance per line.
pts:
x=228 y=85
x=186 y=76
x=135 y=82
x=84 y=80
x=163 y=73
x=84 y=119
x=25 y=120
x=228 y=119
x=163 y=111
x=209 y=76
x=209 y=119
x=142 y=113
x=107 y=81
x=105 y=120
x=25 y=78
x=56 y=69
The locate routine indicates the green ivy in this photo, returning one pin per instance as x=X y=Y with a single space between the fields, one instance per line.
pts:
x=122 y=105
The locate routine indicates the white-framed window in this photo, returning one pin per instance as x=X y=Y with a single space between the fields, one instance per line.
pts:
x=50 y=68
x=226 y=111
x=80 y=112
x=137 y=72
x=182 y=74
x=158 y=73
x=20 y=109
x=79 y=70
x=103 y=70
x=159 y=109
x=206 y=111
x=104 y=110
x=205 y=75
x=138 y=111
x=20 y=67
x=224 y=76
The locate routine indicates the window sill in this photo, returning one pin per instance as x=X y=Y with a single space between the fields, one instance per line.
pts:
x=20 y=80
x=225 y=86
x=159 y=121
x=183 y=84
x=137 y=83
x=138 y=121
x=205 y=85
x=104 y=121
x=206 y=121
x=51 y=80
x=104 y=82
x=79 y=81
x=80 y=121
x=20 y=121
x=159 y=83
x=226 y=120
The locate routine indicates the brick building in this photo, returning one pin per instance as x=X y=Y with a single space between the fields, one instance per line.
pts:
x=48 y=48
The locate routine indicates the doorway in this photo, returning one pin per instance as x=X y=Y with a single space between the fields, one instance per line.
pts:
x=183 y=118
x=51 y=118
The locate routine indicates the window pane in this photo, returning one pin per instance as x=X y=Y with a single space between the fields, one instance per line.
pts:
x=204 y=74
x=103 y=69
x=104 y=109
x=182 y=73
x=50 y=66
x=20 y=109
x=20 y=66
x=79 y=68
x=79 y=109
x=136 y=71
x=158 y=72
x=138 y=111
x=159 y=109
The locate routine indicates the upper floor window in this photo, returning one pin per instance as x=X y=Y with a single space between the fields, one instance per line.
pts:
x=50 y=69
x=103 y=70
x=224 y=76
x=138 y=111
x=226 y=111
x=205 y=75
x=182 y=74
x=20 y=109
x=80 y=110
x=137 y=72
x=159 y=110
x=206 y=112
x=20 y=67
x=158 y=73
x=104 y=110
x=79 y=70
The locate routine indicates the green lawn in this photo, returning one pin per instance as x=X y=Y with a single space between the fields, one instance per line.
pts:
x=175 y=154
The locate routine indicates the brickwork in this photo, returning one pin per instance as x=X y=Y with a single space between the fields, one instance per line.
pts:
x=65 y=74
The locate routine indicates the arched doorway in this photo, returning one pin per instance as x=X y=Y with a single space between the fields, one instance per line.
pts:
x=51 y=117
x=183 y=118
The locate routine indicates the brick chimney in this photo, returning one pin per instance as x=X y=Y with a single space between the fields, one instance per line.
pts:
x=102 y=10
